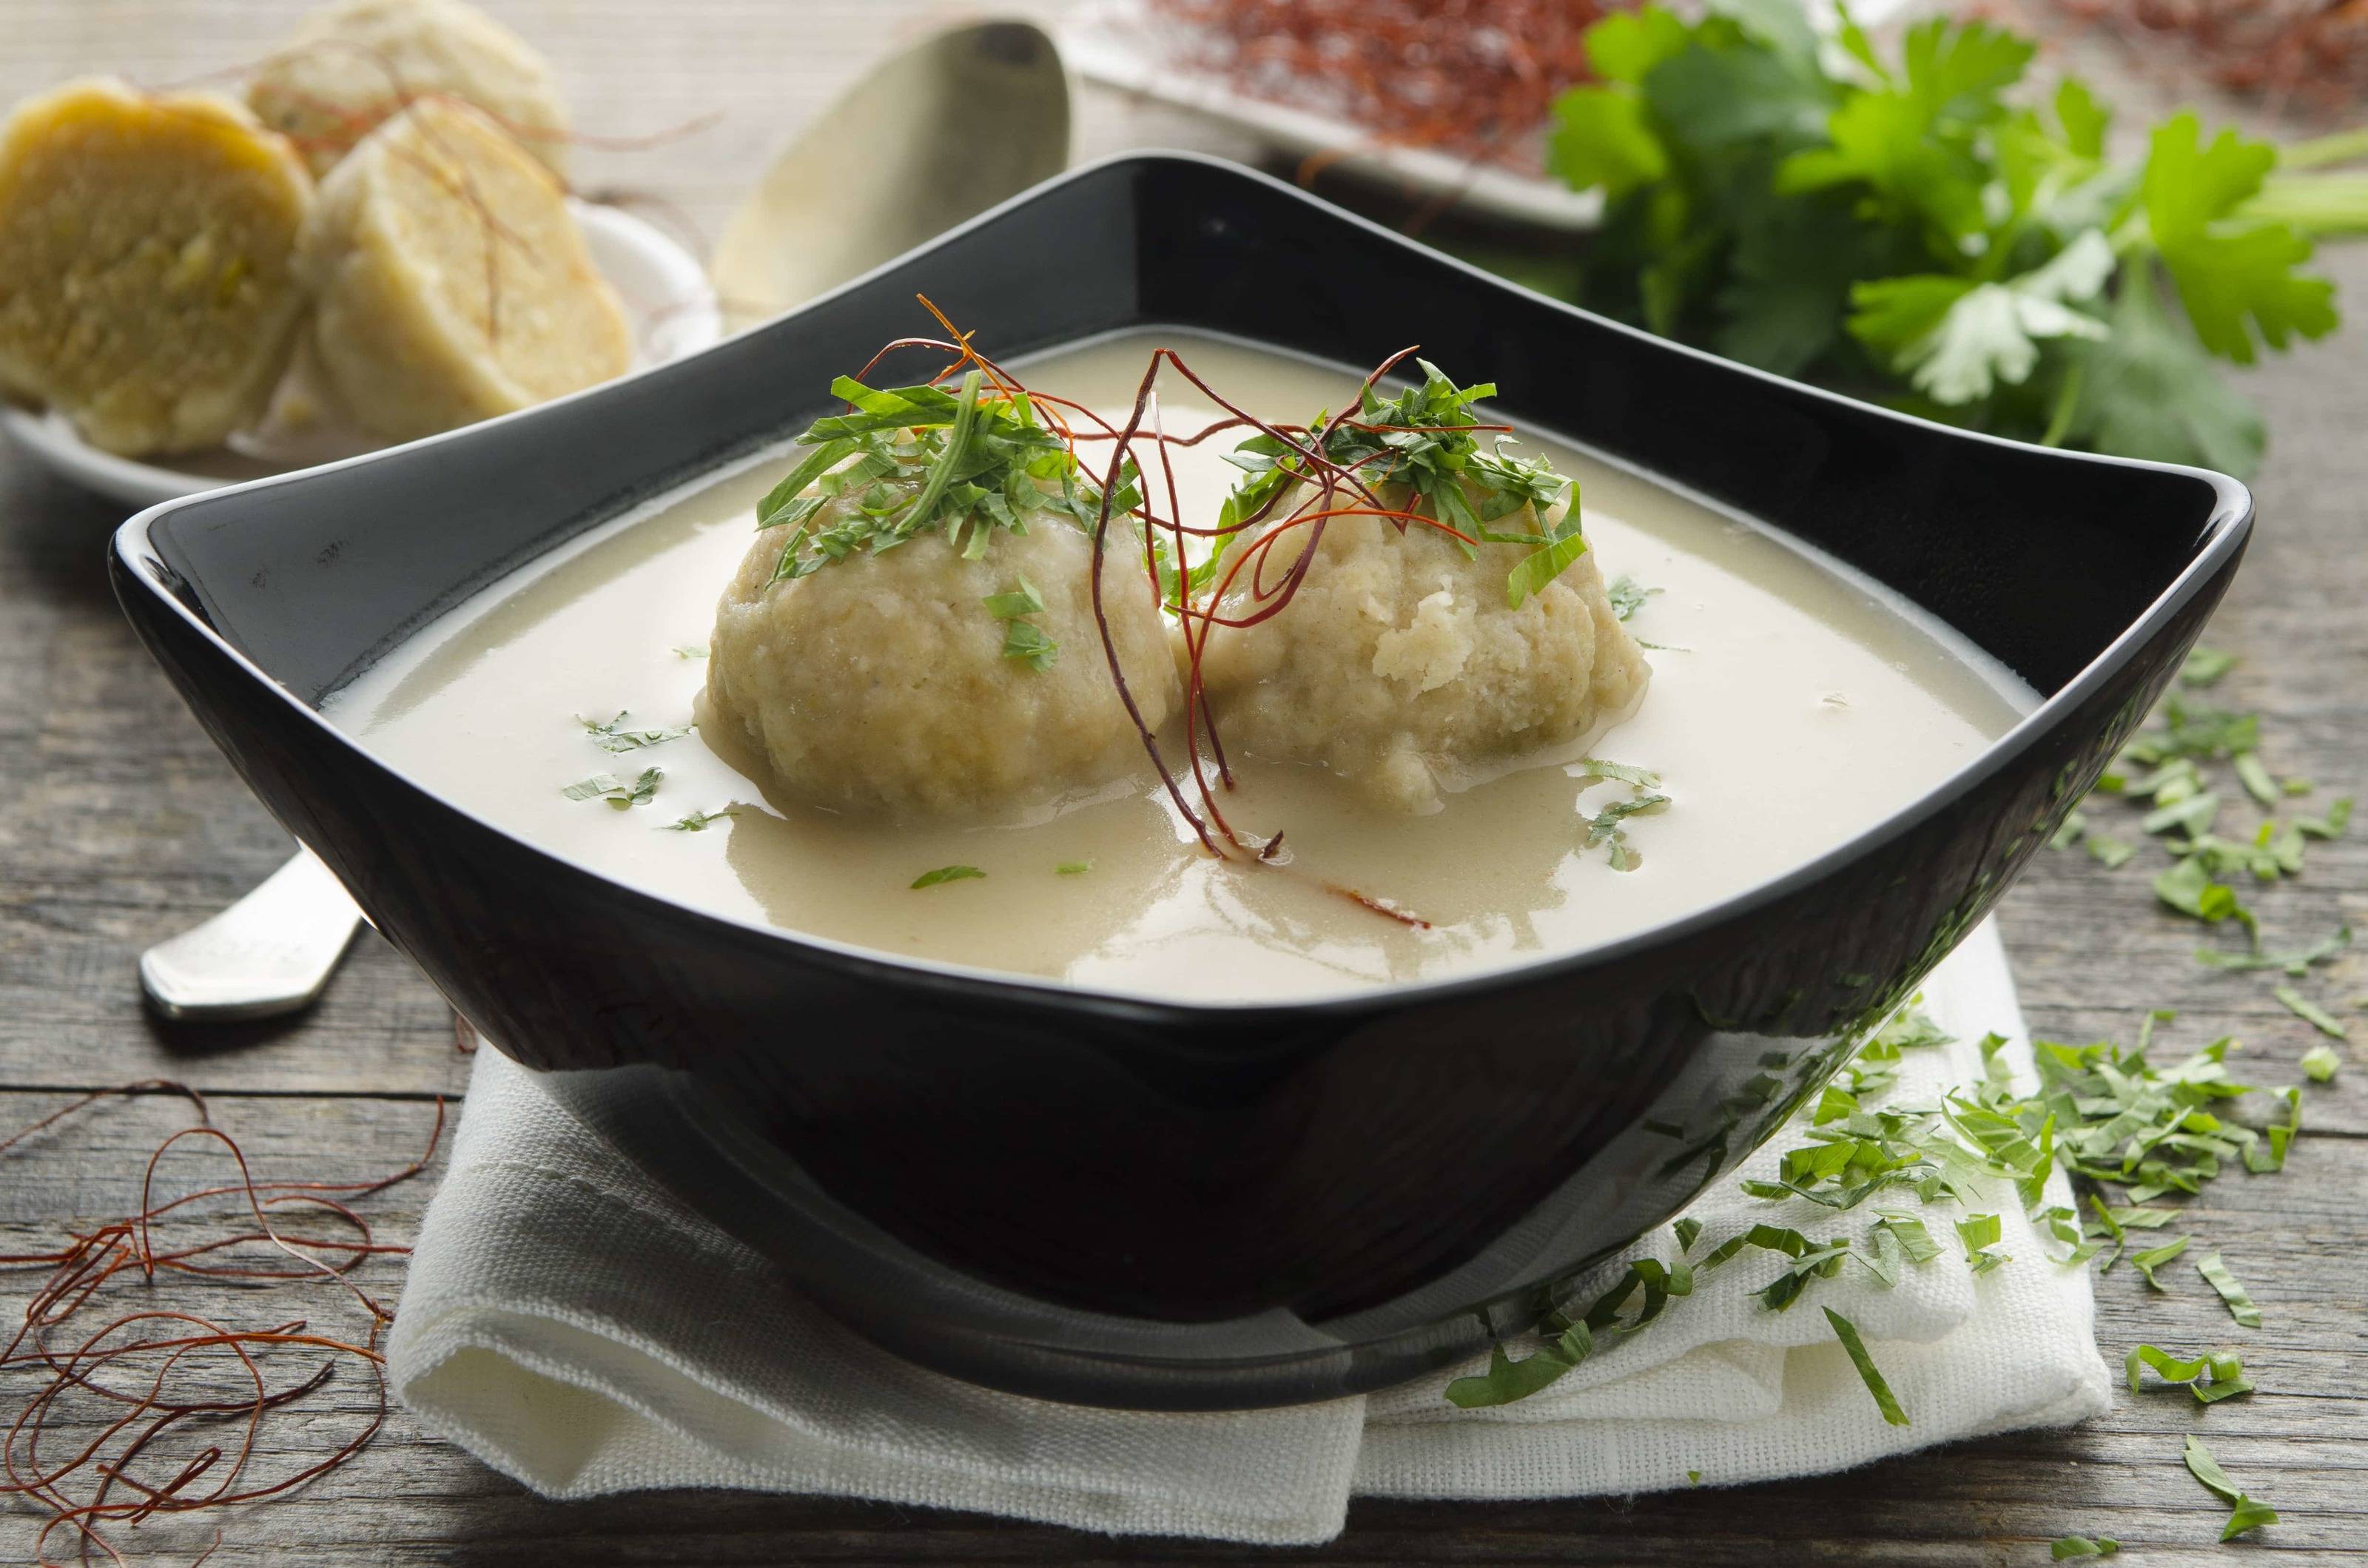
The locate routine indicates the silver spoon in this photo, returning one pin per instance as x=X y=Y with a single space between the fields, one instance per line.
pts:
x=902 y=155
x=271 y=952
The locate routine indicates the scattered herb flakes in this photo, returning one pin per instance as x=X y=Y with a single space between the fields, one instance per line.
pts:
x=2311 y=1013
x=1025 y=640
x=2188 y=888
x=2147 y=1262
x=1627 y=596
x=1979 y=1233
x=1846 y=1332
x=946 y=874
x=2296 y=962
x=2068 y=833
x=2244 y=1514
x=2204 y=667
x=1694 y=1478
x=2331 y=825
x=2108 y=851
x=2256 y=778
x=1073 y=868
x=2320 y=1062
x=2212 y=1376
x=2247 y=1514
x=1607 y=827
x=1015 y=602
x=1625 y=773
x=2063 y=1547
x=620 y=795
x=610 y=734
x=690 y=650
x=698 y=821
x=1688 y=1230
x=2240 y=1305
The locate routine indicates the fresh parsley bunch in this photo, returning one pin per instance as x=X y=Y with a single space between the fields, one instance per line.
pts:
x=1907 y=231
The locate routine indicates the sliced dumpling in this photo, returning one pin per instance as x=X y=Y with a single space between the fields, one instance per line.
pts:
x=453 y=281
x=356 y=62
x=148 y=286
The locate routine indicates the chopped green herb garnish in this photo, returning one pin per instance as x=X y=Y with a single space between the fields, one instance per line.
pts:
x=2244 y=1514
x=2296 y=962
x=1979 y=1233
x=2212 y=1376
x=610 y=734
x=697 y=821
x=1627 y=596
x=2063 y=1547
x=906 y=460
x=1427 y=440
x=2204 y=667
x=1073 y=868
x=2147 y=1262
x=2320 y=1062
x=2109 y=851
x=2240 y=1305
x=691 y=650
x=2331 y=825
x=621 y=796
x=2255 y=776
x=2189 y=888
x=1016 y=602
x=946 y=874
x=1596 y=767
x=1605 y=827
x=2311 y=1013
x=1694 y=1478
x=1846 y=1332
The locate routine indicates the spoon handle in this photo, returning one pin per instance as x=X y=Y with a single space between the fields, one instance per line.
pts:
x=271 y=952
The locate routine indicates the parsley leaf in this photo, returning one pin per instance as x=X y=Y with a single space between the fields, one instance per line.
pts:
x=2311 y=1013
x=946 y=874
x=610 y=735
x=620 y=795
x=698 y=821
x=2236 y=278
x=2065 y=1547
x=1855 y=1348
x=2320 y=1062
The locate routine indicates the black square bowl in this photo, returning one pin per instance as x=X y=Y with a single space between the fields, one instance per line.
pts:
x=1106 y=1200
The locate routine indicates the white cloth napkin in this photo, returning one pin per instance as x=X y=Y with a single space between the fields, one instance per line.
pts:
x=570 y=1324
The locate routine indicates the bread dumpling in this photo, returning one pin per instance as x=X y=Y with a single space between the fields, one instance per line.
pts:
x=451 y=281
x=148 y=288
x=884 y=683
x=1399 y=666
x=355 y=63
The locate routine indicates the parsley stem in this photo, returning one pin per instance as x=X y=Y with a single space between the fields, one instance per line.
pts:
x=958 y=438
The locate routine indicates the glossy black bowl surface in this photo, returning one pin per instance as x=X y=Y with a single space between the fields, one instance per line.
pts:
x=1146 y=1203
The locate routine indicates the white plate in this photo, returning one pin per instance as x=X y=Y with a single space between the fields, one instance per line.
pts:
x=1121 y=44
x=666 y=296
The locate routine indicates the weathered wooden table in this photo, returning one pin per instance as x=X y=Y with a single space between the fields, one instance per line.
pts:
x=121 y=825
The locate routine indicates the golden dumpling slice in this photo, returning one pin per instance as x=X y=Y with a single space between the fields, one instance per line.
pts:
x=451 y=281
x=148 y=286
x=353 y=64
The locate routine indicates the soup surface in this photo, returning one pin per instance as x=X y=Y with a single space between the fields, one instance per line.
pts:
x=1791 y=705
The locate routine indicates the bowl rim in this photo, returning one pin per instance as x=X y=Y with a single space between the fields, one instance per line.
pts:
x=2221 y=536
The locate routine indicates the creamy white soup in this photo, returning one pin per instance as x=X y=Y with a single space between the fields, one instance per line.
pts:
x=1791 y=704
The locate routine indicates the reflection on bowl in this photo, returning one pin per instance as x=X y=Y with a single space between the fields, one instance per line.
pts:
x=1160 y=1203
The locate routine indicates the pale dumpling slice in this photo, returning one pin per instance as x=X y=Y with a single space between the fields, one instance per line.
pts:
x=1399 y=666
x=148 y=287
x=354 y=64
x=453 y=281
x=881 y=684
